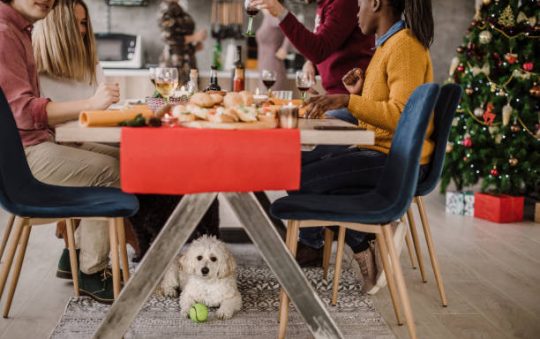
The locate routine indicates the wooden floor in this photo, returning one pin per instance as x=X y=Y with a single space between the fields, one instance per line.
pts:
x=491 y=273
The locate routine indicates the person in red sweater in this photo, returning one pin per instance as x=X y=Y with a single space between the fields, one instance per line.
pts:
x=335 y=46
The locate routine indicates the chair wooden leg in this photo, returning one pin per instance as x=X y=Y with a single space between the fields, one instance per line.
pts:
x=288 y=238
x=7 y=231
x=18 y=266
x=390 y=278
x=120 y=228
x=292 y=227
x=20 y=222
x=327 y=252
x=416 y=242
x=402 y=288
x=114 y=257
x=339 y=259
x=409 y=243
x=70 y=230
x=431 y=250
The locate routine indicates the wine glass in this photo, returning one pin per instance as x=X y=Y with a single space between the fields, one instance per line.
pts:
x=268 y=79
x=166 y=81
x=251 y=12
x=152 y=75
x=303 y=83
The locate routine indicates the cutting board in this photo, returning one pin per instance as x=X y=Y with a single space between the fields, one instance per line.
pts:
x=229 y=125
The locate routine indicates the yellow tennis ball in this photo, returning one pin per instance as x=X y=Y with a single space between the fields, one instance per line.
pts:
x=198 y=313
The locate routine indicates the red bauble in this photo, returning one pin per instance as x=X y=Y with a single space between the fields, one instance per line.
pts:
x=511 y=58
x=460 y=68
x=494 y=172
x=528 y=66
x=467 y=142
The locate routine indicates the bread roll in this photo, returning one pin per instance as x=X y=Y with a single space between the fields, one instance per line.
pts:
x=232 y=99
x=202 y=100
x=222 y=115
x=246 y=113
x=247 y=98
x=199 y=112
x=217 y=98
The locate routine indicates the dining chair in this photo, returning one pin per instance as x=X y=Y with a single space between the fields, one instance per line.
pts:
x=35 y=203
x=7 y=232
x=373 y=211
x=444 y=114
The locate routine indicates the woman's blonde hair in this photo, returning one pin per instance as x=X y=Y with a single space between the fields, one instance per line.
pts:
x=59 y=48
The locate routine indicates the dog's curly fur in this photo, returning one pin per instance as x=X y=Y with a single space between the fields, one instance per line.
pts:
x=206 y=274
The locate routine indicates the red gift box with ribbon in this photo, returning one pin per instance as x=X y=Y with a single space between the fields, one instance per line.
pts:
x=183 y=161
x=498 y=208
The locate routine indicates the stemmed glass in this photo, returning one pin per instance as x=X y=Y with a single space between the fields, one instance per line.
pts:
x=251 y=12
x=268 y=79
x=303 y=83
x=152 y=75
x=166 y=81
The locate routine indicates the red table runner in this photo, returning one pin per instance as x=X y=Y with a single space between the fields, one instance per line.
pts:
x=183 y=161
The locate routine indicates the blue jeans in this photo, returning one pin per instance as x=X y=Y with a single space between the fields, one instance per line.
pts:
x=338 y=170
x=342 y=114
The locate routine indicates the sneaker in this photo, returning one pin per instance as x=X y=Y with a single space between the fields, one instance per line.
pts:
x=368 y=267
x=307 y=256
x=64 y=265
x=98 y=286
x=399 y=239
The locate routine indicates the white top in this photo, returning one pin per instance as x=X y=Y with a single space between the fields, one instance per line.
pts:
x=61 y=90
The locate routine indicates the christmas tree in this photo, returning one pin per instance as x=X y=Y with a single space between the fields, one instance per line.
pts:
x=495 y=136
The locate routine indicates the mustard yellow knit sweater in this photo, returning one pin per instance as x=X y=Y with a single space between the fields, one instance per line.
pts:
x=398 y=66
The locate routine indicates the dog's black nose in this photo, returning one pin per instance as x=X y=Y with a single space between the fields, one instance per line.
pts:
x=205 y=270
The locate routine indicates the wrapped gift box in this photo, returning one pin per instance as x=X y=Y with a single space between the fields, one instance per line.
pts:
x=460 y=203
x=498 y=208
x=532 y=209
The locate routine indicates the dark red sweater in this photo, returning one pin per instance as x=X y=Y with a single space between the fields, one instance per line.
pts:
x=336 y=46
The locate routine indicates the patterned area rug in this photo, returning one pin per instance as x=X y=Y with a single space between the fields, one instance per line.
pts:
x=160 y=318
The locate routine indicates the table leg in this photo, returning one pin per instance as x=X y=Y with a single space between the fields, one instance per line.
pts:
x=288 y=273
x=166 y=246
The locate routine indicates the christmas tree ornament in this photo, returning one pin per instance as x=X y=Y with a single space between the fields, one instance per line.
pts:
x=535 y=91
x=513 y=161
x=492 y=87
x=523 y=18
x=528 y=66
x=515 y=128
x=466 y=158
x=460 y=49
x=501 y=93
x=485 y=37
x=506 y=113
x=511 y=58
x=478 y=112
x=460 y=68
x=467 y=141
x=494 y=171
x=489 y=116
x=486 y=2
x=469 y=91
x=477 y=70
x=507 y=18
x=449 y=147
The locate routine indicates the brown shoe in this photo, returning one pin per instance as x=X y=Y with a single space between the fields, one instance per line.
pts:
x=368 y=267
x=308 y=256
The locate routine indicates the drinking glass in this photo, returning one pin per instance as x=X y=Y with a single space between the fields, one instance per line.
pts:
x=251 y=12
x=303 y=83
x=269 y=79
x=166 y=81
x=152 y=75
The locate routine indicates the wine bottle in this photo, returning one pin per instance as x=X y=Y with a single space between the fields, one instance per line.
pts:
x=213 y=86
x=238 y=79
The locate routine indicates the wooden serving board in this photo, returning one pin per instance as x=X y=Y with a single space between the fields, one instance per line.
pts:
x=229 y=125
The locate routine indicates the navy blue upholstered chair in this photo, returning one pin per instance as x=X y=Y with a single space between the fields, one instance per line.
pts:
x=36 y=203
x=372 y=211
x=444 y=113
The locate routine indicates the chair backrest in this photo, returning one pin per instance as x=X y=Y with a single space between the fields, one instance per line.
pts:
x=14 y=171
x=444 y=114
x=398 y=181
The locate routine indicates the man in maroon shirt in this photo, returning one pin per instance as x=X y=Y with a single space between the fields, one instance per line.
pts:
x=82 y=165
x=336 y=45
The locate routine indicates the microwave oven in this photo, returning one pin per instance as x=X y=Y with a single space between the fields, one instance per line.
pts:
x=117 y=50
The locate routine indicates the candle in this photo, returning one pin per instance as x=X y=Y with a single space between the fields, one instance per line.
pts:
x=288 y=116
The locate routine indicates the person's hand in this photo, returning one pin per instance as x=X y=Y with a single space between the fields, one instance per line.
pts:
x=274 y=7
x=199 y=46
x=309 y=69
x=317 y=106
x=354 y=81
x=199 y=36
x=106 y=95
x=281 y=53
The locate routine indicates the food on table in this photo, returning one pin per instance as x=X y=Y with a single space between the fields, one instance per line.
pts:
x=222 y=115
x=216 y=98
x=202 y=99
x=246 y=113
x=182 y=114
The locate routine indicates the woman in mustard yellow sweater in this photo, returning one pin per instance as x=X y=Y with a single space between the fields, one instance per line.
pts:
x=400 y=64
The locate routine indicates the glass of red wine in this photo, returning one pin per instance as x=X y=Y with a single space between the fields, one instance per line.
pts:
x=268 y=78
x=251 y=12
x=303 y=83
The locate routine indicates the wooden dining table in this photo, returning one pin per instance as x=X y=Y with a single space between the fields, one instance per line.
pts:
x=251 y=214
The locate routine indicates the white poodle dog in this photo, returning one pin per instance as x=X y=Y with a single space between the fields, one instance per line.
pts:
x=205 y=274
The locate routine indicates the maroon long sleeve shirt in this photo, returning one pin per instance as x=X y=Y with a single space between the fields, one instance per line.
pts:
x=19 y=78
x=336 y=46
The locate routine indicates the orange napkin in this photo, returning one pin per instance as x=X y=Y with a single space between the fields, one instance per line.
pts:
x=111 y=118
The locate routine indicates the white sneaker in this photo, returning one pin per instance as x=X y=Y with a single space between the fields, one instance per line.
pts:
x=399 y=240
